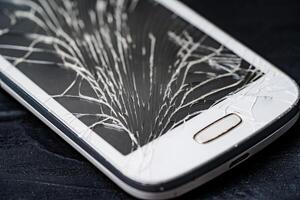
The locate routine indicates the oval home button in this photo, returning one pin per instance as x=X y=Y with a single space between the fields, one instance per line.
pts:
x=218 y=128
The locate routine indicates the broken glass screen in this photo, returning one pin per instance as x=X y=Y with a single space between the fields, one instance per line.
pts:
x=130 y=70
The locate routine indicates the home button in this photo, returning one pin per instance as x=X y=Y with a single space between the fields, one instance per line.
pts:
x=218 y=128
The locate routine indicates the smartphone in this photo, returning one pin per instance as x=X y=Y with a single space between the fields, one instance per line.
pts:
x=154 y=95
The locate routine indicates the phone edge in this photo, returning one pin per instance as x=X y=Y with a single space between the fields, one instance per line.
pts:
x=172 y=188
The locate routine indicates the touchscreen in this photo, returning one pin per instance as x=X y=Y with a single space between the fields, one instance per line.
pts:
x=130 y=70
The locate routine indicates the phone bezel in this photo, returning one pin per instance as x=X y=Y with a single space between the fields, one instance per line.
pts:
x=151 y=173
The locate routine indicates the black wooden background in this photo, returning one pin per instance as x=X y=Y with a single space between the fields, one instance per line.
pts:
x=36 y=164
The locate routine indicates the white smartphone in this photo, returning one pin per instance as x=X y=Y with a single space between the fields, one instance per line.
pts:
x=154 y=95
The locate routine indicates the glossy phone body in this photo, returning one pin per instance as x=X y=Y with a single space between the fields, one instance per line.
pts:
x=177 y=160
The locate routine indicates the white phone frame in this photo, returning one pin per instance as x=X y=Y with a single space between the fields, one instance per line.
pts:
x=176 y=153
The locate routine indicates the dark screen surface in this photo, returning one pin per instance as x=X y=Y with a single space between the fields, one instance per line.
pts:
x=38 y=164
x=130 y=70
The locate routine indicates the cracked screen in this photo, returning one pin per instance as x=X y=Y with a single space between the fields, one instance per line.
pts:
x=130 y=70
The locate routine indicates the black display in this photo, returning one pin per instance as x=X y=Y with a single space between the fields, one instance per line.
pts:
x=130 y=70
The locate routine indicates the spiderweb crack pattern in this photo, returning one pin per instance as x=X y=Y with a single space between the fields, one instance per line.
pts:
x=118 y=67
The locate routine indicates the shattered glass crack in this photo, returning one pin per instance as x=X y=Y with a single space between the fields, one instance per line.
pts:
x=130 y=70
